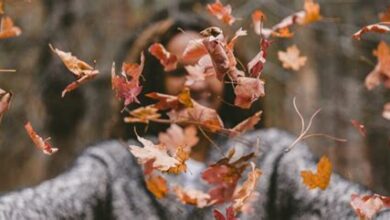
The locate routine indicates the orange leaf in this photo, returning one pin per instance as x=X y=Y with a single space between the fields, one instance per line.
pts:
x=7 y=29
x=167 y=59
x=321 y=178
x=157 y=185
x=312 y=12
x=185 y=98
x=40 y=143
x=143 y=115
x=381 y=72
x=221 y=12
x=291 y=58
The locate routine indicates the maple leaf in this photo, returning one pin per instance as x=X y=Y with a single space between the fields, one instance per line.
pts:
x=247 y=91
x=80 y=69
x=143 y=115
x=5 y=102
x=40 y=143
x=192 y=197
x=7 y=29
x=176 y=136
x=386 y=111
x=221 y=12
x=312 y=13
x=366 y=206
x=321 y=178
x=381 y=72
x=246 y=125
x=157 y=185
x=377 y=28
x=167 y=59
x=243 y=193
x=224 y=175
x=124 y=89
x=360 y=127
x=229 y=214
x=258 y=17
x=291 y=58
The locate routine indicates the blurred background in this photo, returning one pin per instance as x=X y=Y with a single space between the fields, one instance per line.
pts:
x=117 y=30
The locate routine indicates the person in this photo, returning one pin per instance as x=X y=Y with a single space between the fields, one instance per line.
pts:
x=106 y=182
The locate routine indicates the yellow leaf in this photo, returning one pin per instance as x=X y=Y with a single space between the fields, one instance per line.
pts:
x=321 y=178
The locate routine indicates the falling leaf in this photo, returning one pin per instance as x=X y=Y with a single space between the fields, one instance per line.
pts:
x=5 y=102
x=321 y=178
x=256 y=65
x=7 y=29
x=221 y=12
x=246 y=125
x=143 y=115
x=164 y=101
x=194 y=50
x=360 y=127
x=312 y=12
x=386 y=111
x=133 y=70
x=192 y=197
x=243 y=193
x=40 y=143
x=80 y=69
x=381 y=72
x=367 y=206
x=377 y=28
x=247 y=91
x=258 y=17
x=283 y=33
x=291 y=58
x=167 y=59
x=176 y=136
x=219 y=57
x=185 y=98
x=124 y=89
x=157 y=185
x=230 y=215
x=198 y=72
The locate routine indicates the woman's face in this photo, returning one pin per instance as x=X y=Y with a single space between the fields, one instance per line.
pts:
x=208 y=92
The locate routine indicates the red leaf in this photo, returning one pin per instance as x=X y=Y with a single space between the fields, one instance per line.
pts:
x=168 y=60
x=222 y=12
x=256 y=65
x=124 y=89
x=229 y=214
x=40 y=143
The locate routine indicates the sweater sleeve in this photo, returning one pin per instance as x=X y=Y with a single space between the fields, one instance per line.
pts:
x=104 y=183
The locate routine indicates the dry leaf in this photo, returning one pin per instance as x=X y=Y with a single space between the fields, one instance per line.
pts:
x=246 y=125
x=221 y=12
x=143 y=115
x=194 y=50
x=247 y=91
x=192 y=197
x=367 y=206
x=7 y=29
x=291 y=58
x=256 y=65
x=185 y=98
x=167 y=59
x=133 y=70
x=40 y=143
x=157 y=185
x=283 y=33
x=377 y=28
x=5 y=102
x=80 y=69
x=124 y=89
x=321 y=178
x=175 y=136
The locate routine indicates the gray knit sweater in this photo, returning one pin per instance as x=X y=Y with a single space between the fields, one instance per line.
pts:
x=107 y=183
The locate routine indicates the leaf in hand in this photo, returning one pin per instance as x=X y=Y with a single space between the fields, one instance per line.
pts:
x=167 y=59
x=7 y=29
x=40 y=143
x=80 y=69
x=5 y=102
x=321 y=178
x=221 y=12
x=291 y=58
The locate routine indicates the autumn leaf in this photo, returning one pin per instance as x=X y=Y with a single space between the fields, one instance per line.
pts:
x=367 y=206
x=192 y=197
x=124 y=89
x=157 y=185
x=381 y=72
x=291 y=58
x=247 y=91
x=167 y=59
x=176 y=136
x=386 y=111
x=194 y=50
x=312 y=12
x=230 y=215
x=80 y=69
x=377 y=28
x=164 y=101
x=256 y=65
x=143 y=115
x=360 y=127
x=219 y=57
x=40 y=143
x=246 y=125
x=185 y=98
x=5 y=102
x=243 y=193
x=258 y=17
x=7 y=29
x=221 y=12
x=321 y=178
x=198 y=72
x=133 y=70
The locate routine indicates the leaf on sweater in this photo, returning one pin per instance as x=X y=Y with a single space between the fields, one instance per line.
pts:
x=360 y=127
x=321 y=178
x=167 y=59
x=247 y=91
x=230 y=215
x=377 y=28
x=40 y=143
x=176 y=136
x=7 y=29
x=157 y=185
x=125 y=89
x=143 y=115
x=221 y=12
x=291 y=58
x=193 y=197
x=80 y=69
x=367 y=206
x=5 y=102
x=246 y=125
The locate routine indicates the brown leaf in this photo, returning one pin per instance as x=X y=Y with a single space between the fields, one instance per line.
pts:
x=175 y=137
x=247 y=91
x=40 y=143
x=291 y=58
